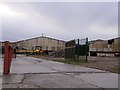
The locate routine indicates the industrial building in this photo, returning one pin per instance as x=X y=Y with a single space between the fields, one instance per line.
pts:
x=104 y=47
x=98 y=47
x=45 y=43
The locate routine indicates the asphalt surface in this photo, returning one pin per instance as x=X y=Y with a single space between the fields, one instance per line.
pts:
x=28 y=72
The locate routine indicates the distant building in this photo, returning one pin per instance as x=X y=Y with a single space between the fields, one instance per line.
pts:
x=45 y=43
x=96 y=47
x=104 y=46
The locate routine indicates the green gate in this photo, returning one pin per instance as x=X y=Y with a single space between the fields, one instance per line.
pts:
x=77 y=49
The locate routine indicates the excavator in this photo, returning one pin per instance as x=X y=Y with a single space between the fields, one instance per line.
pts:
x=38 y=50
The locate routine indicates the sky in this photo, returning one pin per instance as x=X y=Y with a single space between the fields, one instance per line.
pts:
x=59 y=20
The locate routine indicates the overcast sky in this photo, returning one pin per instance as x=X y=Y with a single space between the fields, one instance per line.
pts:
x=60 y=20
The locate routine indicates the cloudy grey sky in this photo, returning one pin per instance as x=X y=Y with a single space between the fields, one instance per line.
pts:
x=60 y=20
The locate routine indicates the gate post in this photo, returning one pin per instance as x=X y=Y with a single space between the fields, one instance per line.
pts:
x=8 y=53
x=6 y=58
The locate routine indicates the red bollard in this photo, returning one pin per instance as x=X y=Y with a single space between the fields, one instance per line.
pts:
x=8 y=52
x=10 y=56
x=6 y=57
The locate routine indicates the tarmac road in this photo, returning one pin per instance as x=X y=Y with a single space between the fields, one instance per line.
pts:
x=28 y=72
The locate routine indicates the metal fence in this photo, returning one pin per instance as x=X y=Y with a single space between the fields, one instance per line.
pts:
x=77 y=49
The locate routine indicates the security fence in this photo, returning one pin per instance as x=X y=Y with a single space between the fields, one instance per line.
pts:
x=77 y=49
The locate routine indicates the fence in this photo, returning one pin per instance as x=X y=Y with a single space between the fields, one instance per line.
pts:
x=77 y=49
x=8 y=53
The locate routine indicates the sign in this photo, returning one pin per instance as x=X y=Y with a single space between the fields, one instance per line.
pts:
x=70 y=43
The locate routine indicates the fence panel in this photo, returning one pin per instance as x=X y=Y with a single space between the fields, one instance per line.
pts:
x=77 y=49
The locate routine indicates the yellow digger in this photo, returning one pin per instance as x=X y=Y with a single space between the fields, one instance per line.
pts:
x=38 y=50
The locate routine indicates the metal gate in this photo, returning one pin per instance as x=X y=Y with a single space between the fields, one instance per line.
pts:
x=77 y=49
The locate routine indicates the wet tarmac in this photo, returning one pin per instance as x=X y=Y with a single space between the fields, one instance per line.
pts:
x=28 y=72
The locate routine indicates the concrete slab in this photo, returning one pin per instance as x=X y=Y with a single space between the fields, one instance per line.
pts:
x=0 y=82
x=12 y=79
x=56 y=81
x=104 y=80
x=18 y=86
x=39 y=73
x=30 y=69
x=28 y=65
x=74 y=68
x=62 y=67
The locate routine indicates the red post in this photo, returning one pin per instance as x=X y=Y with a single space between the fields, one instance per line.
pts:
x=10 y=56
x=6 y=58
x=8 y=52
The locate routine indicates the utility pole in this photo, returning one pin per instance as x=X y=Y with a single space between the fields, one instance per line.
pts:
x=86 y=49
x=78 y=48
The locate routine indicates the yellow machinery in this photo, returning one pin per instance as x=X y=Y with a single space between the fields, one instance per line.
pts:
x=38 y=50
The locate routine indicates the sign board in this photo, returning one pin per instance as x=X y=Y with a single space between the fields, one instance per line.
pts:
x=70 y=43
x=77 y=47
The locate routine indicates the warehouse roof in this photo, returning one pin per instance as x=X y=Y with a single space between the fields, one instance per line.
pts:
x=40 y=37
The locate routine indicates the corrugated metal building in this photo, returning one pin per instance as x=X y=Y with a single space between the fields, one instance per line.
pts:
x=105 y=46
x=96 y=46
x=45 y=43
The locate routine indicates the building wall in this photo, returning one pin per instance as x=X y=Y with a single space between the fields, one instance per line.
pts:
x=104 y=46
x=45 y=42
x=51 y=44
x=30 y=44
x=98 y=46
x=116 y=45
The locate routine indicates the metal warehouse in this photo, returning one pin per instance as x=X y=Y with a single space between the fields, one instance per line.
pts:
x=45 y=43
x=96 y=47
x=110 y=46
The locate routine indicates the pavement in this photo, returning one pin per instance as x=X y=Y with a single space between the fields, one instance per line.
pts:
x=1 y=69
x=29 y=72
